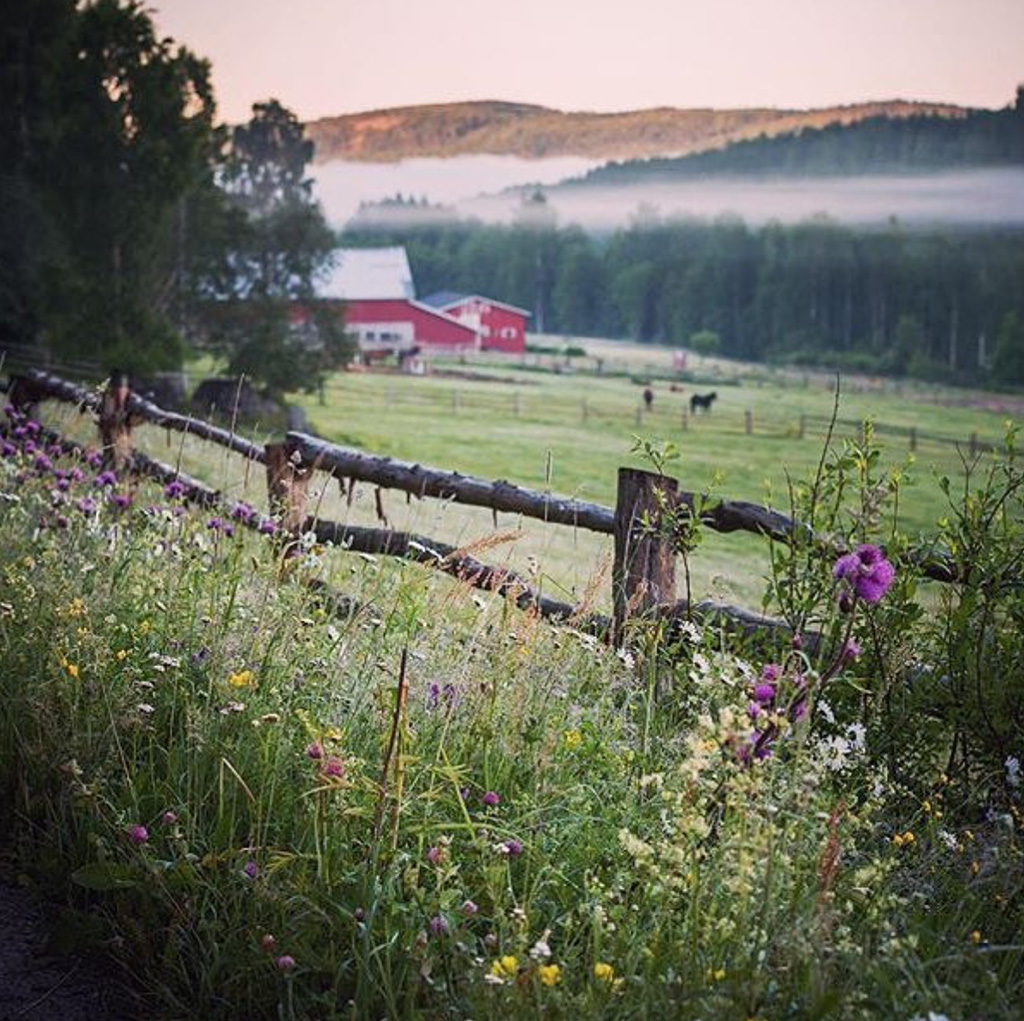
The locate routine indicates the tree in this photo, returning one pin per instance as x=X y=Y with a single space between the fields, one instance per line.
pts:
x=1008 y=360
x=107 y=132
x=260 y=306
x=705 y=342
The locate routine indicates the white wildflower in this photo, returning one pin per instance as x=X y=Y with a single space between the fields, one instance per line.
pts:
x=1012 y=770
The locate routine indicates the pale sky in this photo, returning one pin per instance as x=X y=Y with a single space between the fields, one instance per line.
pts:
x=323 y=57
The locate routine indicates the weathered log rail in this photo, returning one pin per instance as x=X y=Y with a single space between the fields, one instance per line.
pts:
x=301 y=454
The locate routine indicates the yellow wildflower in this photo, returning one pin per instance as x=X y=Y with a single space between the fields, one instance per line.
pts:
x=242 y=679
x=550 y=974
x=121 y=655
x=76 y=608
x=72 y=668
x=975 y=936
x=505 y=967
x=604 y=972
x=572 y=738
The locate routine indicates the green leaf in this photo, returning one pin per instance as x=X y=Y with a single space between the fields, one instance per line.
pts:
x=105 y=875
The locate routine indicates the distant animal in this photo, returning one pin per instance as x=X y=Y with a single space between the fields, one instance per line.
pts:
x=648 y=398
x=702 y=401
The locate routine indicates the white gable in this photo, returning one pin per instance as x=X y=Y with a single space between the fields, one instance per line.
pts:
x=366 y=273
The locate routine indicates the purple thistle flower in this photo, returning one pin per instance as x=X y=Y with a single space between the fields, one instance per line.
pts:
x=169 y=817
x=19 y=432
x=285 y=962
x=753 y=710
x=138 y=834
x=33 y=427
x=251 y=870
x=797 y=641
x=29 y=447
x=771 y=672
x=764 y=693
x=215 y=524
x=513 y=848
x=866 y=572
x=434 y=855
x=105 y=478
x=469 y=908
x=439 y=925
x=333 y=767
x=75 y=473
x=94 y=459
x=63 y=485
x=314 y=750
x=491 y=798
x=175 y=489
x=61 y=521
x=243 y=511
x=122 y=500
x=8 y=449
x=267 y=527
x=87 y=505
x=851 y=650
x=42 y=464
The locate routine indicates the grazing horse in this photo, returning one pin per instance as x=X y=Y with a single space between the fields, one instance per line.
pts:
x=703 y=401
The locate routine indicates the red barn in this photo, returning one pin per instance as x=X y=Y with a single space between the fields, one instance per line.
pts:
x=381 y=309
x=502 y=327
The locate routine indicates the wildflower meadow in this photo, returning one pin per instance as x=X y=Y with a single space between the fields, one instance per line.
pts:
x=425 y=803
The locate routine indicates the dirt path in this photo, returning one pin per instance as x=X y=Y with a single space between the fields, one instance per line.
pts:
x=35 y=984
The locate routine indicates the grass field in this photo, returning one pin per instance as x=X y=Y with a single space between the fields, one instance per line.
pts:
x=570 y=432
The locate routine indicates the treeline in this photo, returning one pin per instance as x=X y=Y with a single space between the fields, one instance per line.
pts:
x=875 y=145
x=132 y=224
x=928 y=304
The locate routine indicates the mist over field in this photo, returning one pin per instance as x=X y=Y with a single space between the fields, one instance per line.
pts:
x=479 y=186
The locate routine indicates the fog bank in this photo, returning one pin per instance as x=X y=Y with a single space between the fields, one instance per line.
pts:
x=477 y=186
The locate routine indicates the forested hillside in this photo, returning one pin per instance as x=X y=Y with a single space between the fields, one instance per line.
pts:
x=879 y=144
x=930 y=304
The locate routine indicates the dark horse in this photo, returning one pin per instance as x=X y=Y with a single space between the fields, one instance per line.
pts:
x=703 y=401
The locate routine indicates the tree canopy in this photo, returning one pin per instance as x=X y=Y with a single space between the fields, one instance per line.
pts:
x=260 y=308
x=109 y=130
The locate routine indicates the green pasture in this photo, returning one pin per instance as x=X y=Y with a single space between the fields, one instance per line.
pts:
x=570 y=432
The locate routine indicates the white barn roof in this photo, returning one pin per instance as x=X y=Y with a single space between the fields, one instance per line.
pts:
x=368 y=273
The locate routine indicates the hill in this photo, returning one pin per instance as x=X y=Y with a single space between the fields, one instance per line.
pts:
x=520 y=129
x=876 y=144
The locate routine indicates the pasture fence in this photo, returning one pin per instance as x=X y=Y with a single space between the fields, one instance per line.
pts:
x=670 y=410
x=650 y=508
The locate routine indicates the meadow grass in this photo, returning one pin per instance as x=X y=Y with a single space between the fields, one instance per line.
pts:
x=270 y=817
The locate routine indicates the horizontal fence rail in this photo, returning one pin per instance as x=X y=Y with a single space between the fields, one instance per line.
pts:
x=348 y=464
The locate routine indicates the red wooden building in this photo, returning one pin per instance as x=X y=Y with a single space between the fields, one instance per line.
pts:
x=502 y=327
x=380 y=306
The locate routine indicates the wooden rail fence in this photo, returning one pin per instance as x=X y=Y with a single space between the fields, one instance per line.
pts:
x=643 y=581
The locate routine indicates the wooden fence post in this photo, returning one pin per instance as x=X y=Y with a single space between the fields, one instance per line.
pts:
x=913 y=437
x=644 y=569
x=115 y=423
x=748 y=422
x=287 y=485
